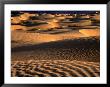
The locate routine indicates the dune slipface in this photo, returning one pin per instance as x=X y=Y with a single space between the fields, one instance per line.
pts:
x=55 y=45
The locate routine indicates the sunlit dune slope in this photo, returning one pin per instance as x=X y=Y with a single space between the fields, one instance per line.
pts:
x=49 y=25
x=40 y=38
x=18 y=27
x=90 y=32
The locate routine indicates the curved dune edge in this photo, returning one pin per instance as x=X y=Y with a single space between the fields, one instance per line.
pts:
x=41 y=38
x=55 y=68
x=90 y=32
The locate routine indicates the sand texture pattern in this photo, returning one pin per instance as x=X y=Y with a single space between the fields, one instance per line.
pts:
x=56 y=68
x=55 y=44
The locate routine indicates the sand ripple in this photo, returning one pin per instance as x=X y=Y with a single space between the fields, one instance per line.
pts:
x=55 y=68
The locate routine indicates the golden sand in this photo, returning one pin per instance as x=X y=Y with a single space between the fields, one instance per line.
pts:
x=56 y=68
x=90 y=32
x=59 y=45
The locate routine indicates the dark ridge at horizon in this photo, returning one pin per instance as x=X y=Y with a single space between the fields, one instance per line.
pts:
x=58 y=12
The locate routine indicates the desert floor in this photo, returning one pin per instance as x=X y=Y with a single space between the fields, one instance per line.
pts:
x=45 y=50
x=56 y=56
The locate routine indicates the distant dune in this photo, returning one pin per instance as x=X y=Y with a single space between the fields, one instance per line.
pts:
x=18 y=27
x=90 y=32
x=47 y=26
x=33 y=37
x=53 y=21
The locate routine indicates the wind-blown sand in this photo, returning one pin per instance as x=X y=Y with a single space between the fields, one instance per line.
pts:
x=79 y=49
x=55 y=68
x=90 y=32
x=34 y=37
x=57 y=45
x=77 y=57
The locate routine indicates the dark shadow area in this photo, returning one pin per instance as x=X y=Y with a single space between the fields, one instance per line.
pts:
x=79 y=43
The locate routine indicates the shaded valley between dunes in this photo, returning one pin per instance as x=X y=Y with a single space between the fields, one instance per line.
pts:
x=78 y=49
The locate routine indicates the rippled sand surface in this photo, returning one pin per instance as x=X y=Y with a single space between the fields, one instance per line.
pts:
x=55 y=68
x=78 y=57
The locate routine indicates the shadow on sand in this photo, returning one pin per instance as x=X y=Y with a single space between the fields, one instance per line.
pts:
x=64 y=44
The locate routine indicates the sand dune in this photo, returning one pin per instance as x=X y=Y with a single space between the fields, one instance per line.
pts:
x=49 y=25
x=84 y=16
x=54 y=35
x=20 y=18
x=47 y=16
x=96 y=17
x=90 y=32
x=55 y=45
x=18 y=27
x=81 y=23
x=85 y=49
x=20 y=38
